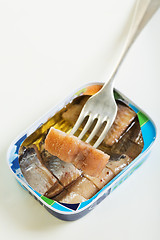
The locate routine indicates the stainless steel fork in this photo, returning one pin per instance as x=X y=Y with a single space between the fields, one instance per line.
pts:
x=102 y=106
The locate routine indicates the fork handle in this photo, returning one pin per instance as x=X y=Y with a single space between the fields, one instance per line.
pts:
x=144 y=10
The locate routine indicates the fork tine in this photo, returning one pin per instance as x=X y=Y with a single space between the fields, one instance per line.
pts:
x=78 y=122
x=95 y=130
x=103 y=134
x=86 y=127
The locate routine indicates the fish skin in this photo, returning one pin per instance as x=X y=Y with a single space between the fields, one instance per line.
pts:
x=132 y=143
x=36 y=174
x=65 y=172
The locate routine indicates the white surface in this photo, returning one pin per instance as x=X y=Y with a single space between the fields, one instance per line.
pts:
x=47 y=49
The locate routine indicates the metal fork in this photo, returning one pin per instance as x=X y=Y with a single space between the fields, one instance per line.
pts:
x=102 y=106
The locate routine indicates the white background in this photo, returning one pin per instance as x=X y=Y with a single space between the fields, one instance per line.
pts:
x=47 y=49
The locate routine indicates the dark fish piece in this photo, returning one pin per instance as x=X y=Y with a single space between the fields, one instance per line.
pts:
x=125 y=115
x=117 y=163
x=54 y=190
x=131 y=143
x=134 y=133
x=46 y=156
x=37 y=175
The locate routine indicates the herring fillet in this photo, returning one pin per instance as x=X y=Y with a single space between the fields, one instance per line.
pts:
x=100 y=181
x=37 y=175
x=79 y=191
x=118 y=163
x=125 y=115
x=70 y=149
x=69 y=197
x=84 y=187
x=65 y=172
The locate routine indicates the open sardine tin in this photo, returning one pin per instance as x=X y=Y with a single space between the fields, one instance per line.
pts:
x=72 y=212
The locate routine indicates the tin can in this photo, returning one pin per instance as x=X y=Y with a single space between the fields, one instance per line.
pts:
x=72 y=212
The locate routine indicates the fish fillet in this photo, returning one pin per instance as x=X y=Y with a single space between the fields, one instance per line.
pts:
x=69 y=197
x=65 y=172
x=70 y=149
x=72 y=113
x=117 y=164
x=100 y=181
x=83 y=187
x=132 y=143
x=125 y=115
x=37 y=175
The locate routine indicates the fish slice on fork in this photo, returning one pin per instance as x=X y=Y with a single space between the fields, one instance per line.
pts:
x=102 y=106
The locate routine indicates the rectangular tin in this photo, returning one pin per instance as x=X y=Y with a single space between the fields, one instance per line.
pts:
x=72 y=212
